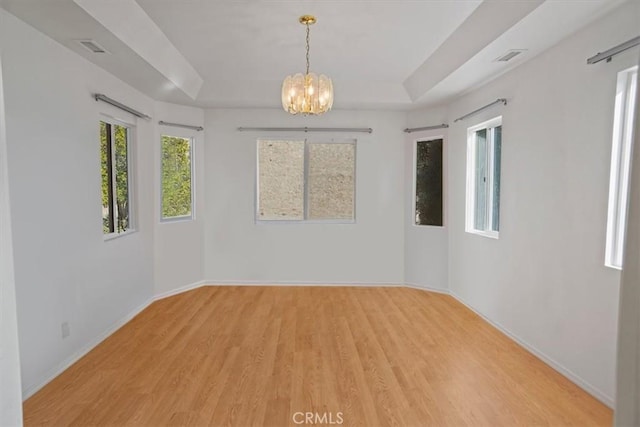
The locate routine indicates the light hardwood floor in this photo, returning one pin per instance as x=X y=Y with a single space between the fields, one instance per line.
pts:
x=254 y=356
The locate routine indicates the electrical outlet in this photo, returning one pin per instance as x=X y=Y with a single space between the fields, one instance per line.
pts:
x=66 y=331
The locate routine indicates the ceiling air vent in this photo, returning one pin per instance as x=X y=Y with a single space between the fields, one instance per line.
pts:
x=509 y=55
x=92 y=46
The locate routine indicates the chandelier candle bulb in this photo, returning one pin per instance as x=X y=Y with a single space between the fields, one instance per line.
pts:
x=309 y=93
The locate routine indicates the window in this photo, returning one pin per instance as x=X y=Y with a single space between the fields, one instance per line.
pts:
x=177 y=176
x=620 y=165
x=428 y=182
x=484 y=147
x=301 y=180
x=116 y=171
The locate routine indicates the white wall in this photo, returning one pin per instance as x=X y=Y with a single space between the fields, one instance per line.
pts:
x=628 y=391
x=426 y=251
x=10 y=392
x=237 y=249
x=544 y=280
x=179 y=245
x=64 y=271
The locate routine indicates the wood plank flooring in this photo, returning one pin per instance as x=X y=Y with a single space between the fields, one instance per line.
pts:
x=255 y=356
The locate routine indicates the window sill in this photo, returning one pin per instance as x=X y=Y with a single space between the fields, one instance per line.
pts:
x=113 y=236
x=304 y=222
x=490 y=234
x=175 y=219
x=614 y=267
x=442 y=227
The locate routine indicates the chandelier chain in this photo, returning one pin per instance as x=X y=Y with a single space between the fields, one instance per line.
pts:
x=307 y=48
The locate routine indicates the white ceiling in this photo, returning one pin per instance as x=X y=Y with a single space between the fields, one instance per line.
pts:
x=393 y=54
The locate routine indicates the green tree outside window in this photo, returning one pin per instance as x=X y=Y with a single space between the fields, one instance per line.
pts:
x=176 y=177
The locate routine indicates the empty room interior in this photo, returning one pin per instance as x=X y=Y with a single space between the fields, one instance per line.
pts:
x=281 y=213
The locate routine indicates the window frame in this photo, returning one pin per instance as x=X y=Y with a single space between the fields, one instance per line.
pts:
x=620 y=171
x=470 y=211
x=131 y=135
x=415 y=181
x=192 y=215
x=305 y=220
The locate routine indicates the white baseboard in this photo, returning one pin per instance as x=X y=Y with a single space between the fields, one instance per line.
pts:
x=61 y=367
x=427 y=288
x=574 y=378
x=179 y=290
x=296 y=283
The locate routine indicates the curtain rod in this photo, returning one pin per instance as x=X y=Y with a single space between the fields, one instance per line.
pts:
x=179 y=125
x=607 y=54
x=409 y=130
x=104 y=98
x=306 y=129
x=497 y=101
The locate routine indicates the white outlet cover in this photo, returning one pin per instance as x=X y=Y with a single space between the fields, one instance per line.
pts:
x=66 y=331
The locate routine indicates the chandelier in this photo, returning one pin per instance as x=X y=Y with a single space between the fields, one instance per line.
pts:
x=307 y=93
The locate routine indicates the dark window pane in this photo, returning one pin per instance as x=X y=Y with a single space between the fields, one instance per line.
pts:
x=122 y=177
x=176 y=177
x=429 y=183
x=481 y=180
x=107 y=178
x=497 y=153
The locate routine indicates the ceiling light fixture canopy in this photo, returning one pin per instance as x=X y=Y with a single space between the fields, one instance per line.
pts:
x=307 y=93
